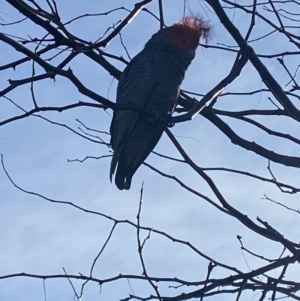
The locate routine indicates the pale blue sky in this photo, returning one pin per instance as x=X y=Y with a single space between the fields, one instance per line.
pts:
x=40 y=237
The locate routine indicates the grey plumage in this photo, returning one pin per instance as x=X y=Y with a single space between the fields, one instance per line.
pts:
x=151 y=80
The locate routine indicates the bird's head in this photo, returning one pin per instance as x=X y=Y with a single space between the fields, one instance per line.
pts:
x=186 y=34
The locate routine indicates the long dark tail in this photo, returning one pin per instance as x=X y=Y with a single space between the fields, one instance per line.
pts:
x=123 y=176
x=124 y=173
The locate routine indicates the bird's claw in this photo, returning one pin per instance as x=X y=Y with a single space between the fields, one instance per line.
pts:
x=155 y=117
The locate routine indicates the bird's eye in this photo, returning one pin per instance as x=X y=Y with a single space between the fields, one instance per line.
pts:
x=183 y=42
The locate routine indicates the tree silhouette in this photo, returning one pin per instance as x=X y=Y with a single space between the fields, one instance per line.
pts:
x=262 y=118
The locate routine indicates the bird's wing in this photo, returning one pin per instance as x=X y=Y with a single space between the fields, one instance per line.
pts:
x=136 y=83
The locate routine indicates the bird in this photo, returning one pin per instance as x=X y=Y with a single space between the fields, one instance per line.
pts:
x=151 y=81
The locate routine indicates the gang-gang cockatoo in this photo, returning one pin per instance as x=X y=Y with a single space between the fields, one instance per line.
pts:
x=152 y=81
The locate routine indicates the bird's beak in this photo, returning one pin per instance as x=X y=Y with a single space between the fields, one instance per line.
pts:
x=192 y=53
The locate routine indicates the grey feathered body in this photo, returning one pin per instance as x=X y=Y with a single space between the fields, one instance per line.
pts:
x=151 y=80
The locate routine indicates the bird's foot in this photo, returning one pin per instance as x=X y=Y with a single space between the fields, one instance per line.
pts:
x=156 y=116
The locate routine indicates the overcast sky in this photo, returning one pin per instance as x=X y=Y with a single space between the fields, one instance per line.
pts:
x=41 y=237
